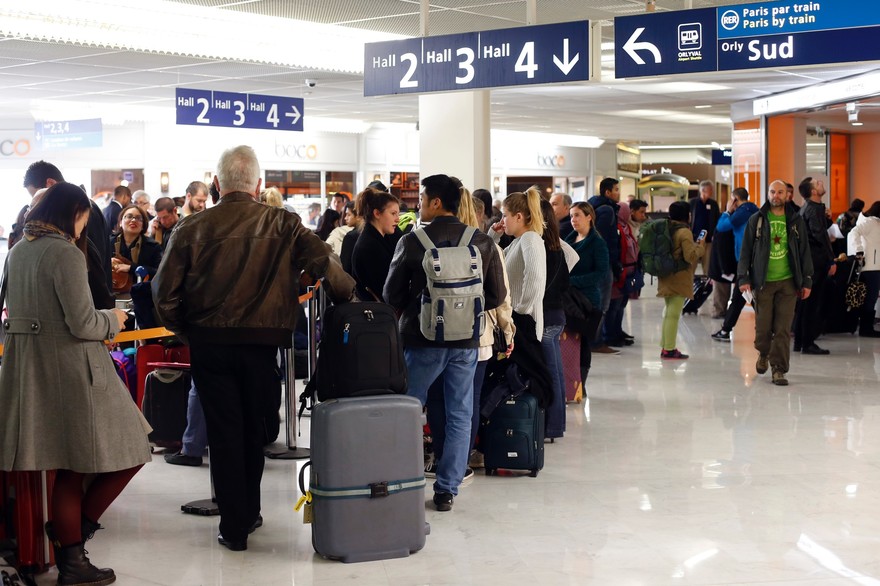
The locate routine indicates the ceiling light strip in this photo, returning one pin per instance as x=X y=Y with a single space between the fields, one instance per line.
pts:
x=171 y=28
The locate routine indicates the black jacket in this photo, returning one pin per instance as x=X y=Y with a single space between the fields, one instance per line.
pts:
x=714 y=214
x=407 y=279
x=754 y=258
x=723 y=257
x=149 y=256
x=111 y=215
x=606 y=223
x=813 y=214
x=230 y=273
x=348 y=243
x=370 y=262
x=565 y=227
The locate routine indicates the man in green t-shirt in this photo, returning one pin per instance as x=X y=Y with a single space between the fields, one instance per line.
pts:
x=775 y=267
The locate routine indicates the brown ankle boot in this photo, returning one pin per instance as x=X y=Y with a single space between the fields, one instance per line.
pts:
x=75 y=569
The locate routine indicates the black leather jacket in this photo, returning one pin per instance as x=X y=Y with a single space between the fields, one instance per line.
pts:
x=230 y=274
x=407 y=279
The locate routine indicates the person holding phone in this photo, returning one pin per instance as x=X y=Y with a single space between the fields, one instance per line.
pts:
x=678 y=286
x=776 y=267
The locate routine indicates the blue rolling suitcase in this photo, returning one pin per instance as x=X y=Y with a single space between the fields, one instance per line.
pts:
x=513 y=436
x=367 y=478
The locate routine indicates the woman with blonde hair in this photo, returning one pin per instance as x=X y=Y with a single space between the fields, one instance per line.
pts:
x=272 y=197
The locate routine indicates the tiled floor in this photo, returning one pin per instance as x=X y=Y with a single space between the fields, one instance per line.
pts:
x=694 y=472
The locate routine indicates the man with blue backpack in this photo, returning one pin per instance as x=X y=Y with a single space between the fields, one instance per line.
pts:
x=443 y=277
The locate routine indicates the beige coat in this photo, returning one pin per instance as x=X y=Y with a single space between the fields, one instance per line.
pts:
x=682 y=282
x=62 y=404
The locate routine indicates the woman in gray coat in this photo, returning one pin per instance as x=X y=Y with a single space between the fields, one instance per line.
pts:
x=62 y=406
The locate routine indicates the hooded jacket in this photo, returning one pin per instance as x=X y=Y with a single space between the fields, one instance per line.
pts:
x=606 y=223
x=755 y=253
x=737 y=222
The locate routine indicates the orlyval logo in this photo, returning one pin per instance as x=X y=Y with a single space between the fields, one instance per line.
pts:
x=730 y=20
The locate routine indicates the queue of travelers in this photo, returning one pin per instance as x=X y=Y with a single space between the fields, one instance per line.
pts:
x=548 y=264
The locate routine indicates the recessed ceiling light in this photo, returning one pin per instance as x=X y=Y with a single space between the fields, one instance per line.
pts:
x=858 y=123
x=700 y=107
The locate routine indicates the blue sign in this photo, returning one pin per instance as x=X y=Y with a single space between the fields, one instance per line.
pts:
x=233 y=110
x=69 y=134
x=794 y=16
x=812 y=48
x=722 y=157
x=550 y=53
x=665 y=43
x=782 y=33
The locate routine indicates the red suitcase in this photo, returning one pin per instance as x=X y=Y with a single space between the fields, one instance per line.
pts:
x=28 y=497
x=155 y=353
x=570 y=347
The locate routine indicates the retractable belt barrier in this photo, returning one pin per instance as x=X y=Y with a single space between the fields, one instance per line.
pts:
x=151 y=333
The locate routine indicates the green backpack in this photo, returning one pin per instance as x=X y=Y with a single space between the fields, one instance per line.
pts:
x=655 y=248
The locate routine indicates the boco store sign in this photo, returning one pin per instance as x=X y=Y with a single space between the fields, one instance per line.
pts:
x=552 y=161
x=14 y=147
x=299 y=152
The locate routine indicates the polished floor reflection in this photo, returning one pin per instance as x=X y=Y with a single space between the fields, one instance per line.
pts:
x=692 y=472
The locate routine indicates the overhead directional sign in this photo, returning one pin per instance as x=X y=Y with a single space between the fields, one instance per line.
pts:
x=208 y=108
x=550 y=53
x=779 y=33
x=665 y=43
x=69 y=134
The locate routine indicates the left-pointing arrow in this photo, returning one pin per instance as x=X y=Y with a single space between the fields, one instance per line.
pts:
x=295 y=115
x=564 y=65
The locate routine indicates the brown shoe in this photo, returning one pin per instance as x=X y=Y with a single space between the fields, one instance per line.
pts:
x=763 y=364
x=605 y=349
x=779 y=378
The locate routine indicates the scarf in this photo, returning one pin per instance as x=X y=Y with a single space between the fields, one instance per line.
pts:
x=36 y=229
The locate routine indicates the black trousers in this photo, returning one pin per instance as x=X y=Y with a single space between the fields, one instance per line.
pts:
x=808 y=318
x=234 y=383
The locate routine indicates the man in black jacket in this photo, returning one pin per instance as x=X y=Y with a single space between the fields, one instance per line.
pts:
x=808 y=317
x=704 y=216
x=775 y=266
x=227 y=284
x=426 y=360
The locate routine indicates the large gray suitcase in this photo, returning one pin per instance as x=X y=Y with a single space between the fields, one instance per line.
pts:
x=367 y=478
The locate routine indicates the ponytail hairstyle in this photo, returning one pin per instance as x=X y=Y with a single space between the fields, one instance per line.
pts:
x=551 y=227
x=529 y=205
x=370 y=200
x=466 y=211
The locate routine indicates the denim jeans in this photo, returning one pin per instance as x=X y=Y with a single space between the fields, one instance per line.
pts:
x=457 y=365
x=613 y=325
x=436 y=415
x=556 y=411
x=195 y=437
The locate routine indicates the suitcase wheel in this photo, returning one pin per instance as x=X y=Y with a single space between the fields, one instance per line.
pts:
x=533 y=473
x=491 y=472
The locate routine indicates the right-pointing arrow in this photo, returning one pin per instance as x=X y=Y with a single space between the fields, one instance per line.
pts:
x=631 y=46
x=295 y=115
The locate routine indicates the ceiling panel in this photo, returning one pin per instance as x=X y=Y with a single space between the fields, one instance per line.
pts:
x=647 y=110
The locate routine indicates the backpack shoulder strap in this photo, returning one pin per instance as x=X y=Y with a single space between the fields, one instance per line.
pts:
x=467 y=236
x=424 y=239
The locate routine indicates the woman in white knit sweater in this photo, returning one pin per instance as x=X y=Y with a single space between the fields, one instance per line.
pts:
x=525 y=257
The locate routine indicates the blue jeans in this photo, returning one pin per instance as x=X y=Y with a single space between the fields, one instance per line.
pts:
x=436 y=415
x=556 y=411
x=457 y=365
x=195 y=438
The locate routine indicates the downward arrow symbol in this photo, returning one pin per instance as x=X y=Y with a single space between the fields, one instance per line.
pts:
x=564 y=65
x=295 y=115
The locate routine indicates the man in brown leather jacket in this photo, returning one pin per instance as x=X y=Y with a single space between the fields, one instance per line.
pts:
x=228 y=284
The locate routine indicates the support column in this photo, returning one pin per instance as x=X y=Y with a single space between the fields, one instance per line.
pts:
x=454 y=137
x=787 y=150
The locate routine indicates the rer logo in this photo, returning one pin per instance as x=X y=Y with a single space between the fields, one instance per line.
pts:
x=730 y=20
x=690 y=36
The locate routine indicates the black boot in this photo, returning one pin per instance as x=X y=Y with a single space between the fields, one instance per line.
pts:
x=87 y=531
x=75 y=569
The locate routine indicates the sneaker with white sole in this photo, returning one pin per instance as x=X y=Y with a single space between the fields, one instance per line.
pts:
x=468 y=474
x=721 y=336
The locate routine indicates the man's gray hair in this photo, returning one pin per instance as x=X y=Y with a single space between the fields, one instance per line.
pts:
x=706 y=183
x=238 y=170
x=566 y=199
x=140 y=193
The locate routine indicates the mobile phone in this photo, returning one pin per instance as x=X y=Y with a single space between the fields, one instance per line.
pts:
x=702 y=235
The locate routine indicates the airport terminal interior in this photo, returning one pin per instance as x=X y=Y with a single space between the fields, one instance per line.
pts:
x=691 y=472
x=697 y=471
